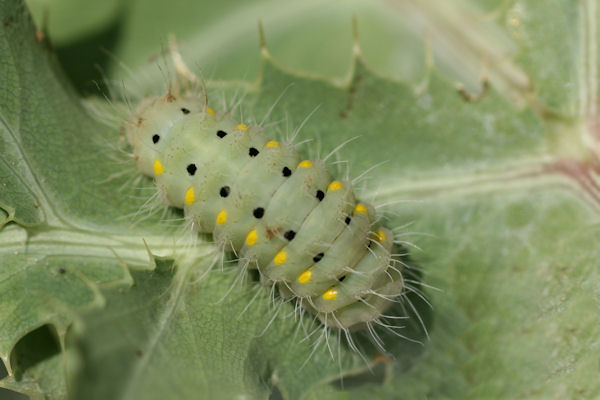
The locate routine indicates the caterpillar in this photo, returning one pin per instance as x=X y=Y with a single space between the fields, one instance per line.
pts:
x=304 y=231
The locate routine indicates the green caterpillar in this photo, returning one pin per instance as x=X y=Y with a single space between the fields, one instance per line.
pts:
x=280 y=214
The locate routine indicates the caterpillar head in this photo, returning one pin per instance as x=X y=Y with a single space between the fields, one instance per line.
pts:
x=148 y=128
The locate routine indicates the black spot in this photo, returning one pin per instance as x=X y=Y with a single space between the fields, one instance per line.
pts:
x=155 y=139
x=191 y=169
x=318 y=257
x=185 y=111
x=224 y=191
x=341 y=278
x=258 y=212
x=221 y=134
x=286 y=171
x=320 y=195
x=289 y=235
x=253 y=152
x=62 y=271
x=347 y=220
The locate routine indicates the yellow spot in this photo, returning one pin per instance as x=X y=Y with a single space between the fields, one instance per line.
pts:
x=221 y=217
x=158 y=167
x=381 y=236
x=251 y=238
x=305 y=276
x=189 y=195
x=330 y=294
x=273 y=143
x=305 y=164
x=241 y=127
x=335 y=185
x=360 y=208
x=280 y=257
x=210 y=111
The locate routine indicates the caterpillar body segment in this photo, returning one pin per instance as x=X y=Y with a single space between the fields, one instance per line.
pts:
x=284 y=215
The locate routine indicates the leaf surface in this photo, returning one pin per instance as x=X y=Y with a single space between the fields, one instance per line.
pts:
x=501 y=194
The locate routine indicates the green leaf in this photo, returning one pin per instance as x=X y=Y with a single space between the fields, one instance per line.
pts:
x=174 y=336
x=545 y=32
x=220 y=38
x=67 y=20
x=501 y=194
x=64 y=233
x=38 y=366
